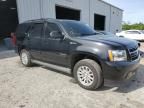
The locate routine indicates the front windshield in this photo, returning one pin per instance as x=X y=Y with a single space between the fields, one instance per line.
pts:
x=78 y=29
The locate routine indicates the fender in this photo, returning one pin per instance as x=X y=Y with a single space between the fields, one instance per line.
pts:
x=96 y=52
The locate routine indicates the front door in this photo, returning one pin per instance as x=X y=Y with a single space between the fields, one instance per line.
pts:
x=55 y=50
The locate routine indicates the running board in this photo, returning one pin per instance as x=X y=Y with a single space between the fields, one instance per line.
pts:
x=60 y=68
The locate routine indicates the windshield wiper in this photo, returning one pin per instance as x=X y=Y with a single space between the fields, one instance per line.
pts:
x=89 y=34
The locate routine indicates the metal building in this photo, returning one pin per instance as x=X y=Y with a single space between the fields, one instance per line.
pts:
x=97 y=13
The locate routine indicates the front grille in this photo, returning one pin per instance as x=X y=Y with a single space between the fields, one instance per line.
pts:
x=134 y=54
x=133 y=49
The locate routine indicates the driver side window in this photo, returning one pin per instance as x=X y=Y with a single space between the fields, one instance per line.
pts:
x=51 y=27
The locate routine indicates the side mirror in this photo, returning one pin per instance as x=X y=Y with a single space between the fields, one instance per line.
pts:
x=27 y=34
x=56 y=34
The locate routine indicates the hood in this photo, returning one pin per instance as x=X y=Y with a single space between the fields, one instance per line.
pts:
x=108 y=39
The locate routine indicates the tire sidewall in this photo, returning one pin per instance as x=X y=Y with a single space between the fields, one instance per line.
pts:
x=28 y=57
x=96 y=72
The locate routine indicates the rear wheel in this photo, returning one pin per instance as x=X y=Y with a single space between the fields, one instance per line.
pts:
x=88 y=74
x=25 y=58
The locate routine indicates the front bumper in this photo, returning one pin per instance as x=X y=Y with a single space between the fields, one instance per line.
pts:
x=120 y=70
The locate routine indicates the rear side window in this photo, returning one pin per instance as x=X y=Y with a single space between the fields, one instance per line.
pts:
x=36 y=30
x=50 y=28
x=22 y=29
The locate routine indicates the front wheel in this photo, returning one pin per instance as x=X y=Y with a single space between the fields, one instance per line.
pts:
x=88 y=74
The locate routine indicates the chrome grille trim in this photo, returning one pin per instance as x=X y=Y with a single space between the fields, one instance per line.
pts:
x=134 y=54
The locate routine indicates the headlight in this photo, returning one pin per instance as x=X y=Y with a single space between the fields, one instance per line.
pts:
x=117 y=55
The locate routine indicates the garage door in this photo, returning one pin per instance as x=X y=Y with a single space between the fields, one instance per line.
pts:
x=67 y=13
x=8 y=17
x=99 y=22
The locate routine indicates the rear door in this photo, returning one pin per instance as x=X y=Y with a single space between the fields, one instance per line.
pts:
x=55 y=50
x=35 y=34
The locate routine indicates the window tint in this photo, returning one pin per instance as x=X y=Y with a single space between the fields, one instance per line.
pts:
x=132 y=32
x=50 y=28
x=36 y=30
x=22 y=28
x=75 y=29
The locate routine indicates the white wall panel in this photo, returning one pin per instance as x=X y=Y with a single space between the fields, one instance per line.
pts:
x=48 y=9
x=82 y=5
x=28 y=9
x=116 y=20
x=100 y=8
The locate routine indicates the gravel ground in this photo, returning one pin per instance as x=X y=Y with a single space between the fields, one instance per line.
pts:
x=39 y=87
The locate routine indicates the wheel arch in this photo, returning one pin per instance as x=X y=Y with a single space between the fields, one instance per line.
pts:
x=84 y=55
x=21 y=48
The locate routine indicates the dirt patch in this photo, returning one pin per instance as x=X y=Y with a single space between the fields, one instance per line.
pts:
x=38 y=87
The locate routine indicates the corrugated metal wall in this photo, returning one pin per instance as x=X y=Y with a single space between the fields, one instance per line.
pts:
x=116 y=20
x=113 y=15
x=35 y=9
x=47 y=9
x=28 y=9
x=100 y=8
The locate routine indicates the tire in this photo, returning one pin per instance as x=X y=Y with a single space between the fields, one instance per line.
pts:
x=102 y=83
x=25 y=58
x=88 y=74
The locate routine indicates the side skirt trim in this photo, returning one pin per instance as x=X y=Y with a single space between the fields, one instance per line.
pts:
x=60 y=68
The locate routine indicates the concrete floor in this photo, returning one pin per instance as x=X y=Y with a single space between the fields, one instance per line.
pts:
x=5 y=53
x=39 y=87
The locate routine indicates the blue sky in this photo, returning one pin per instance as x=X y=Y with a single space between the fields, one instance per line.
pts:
x=133 y=9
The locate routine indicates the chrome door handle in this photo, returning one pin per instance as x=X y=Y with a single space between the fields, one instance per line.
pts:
x=73 y=43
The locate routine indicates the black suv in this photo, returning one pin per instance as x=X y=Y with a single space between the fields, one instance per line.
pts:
x=74 y=47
